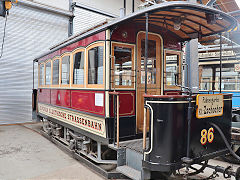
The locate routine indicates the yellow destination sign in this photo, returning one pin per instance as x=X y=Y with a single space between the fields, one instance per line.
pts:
x=209 y=105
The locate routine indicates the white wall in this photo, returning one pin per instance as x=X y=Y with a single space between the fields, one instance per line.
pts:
x=111 y=6
x=29 y=32
x=60 y=4
x=85 y=19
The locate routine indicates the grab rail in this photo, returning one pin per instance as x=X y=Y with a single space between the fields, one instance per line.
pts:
x=144 y=128
x=117 y=95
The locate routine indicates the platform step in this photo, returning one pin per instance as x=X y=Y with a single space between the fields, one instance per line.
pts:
x=130 y=172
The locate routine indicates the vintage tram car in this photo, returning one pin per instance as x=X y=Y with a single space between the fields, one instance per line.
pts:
x=113 y=94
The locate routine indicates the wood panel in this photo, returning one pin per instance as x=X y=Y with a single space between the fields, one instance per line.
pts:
x=152 y=89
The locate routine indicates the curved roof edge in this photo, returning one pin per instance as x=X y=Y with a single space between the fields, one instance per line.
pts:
x=149 y=10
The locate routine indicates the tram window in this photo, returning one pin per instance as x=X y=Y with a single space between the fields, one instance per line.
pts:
x=230 y=78
x=95 y=65
x=229 y=83
x=206 y=82
x=123 y=66
x=172 y=69
x=48 y=73
x=65 y=70
x=151 y=62
x=41 y=75
x=78 y=68
x=55 y=74
x=210 y=77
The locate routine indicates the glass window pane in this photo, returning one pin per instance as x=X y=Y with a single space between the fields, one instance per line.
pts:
x=206 y=77
x=151 y=62
x=230 y=78
x=65 y=70
x=41 y=75
x=78 y=68
x=56 y=72
x=123 y=66
x=95 y=65
x=48 y=73
x=172 y=69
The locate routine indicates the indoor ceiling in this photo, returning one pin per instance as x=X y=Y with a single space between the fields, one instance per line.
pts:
x=228 y=6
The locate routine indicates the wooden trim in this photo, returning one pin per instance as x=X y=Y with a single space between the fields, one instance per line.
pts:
x=72 y=70
x=107 y=71
x=132 y=47
x=51 y=73
x=152 y=88
x=179 y=54
x=159 y=51
x=86 y=77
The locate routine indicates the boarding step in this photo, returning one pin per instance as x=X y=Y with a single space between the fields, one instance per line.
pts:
x=129 y=163
x=129 y=172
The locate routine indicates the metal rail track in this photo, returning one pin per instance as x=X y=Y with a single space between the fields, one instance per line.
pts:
x=107 y=174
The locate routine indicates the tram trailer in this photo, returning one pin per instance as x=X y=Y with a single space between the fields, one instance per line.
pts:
x=100 y=91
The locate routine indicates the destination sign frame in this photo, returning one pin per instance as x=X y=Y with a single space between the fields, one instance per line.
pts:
x=85 y=122
x=209 y=105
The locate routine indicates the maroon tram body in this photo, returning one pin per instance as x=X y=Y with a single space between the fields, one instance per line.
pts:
x=80 y=99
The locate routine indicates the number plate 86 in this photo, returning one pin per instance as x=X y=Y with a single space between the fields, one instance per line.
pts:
x=207 y=136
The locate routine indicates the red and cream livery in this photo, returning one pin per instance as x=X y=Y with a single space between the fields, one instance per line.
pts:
x=120 y=80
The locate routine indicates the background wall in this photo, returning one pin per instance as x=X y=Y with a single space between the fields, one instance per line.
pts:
x=29 y=32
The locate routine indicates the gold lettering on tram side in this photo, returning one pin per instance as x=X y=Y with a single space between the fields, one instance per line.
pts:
x=209 y=105
x=91 y=124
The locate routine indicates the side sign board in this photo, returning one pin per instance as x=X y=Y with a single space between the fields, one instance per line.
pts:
x=209 y=105
x=88 y=123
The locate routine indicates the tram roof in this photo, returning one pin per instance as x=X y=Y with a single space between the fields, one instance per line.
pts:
x=196 y=21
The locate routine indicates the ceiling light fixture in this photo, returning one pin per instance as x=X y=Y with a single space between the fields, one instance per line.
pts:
x=177 y=22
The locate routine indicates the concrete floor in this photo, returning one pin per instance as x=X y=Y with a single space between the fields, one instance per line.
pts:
x=25 y=154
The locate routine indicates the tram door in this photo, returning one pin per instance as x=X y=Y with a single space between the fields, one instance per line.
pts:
x=154 y=64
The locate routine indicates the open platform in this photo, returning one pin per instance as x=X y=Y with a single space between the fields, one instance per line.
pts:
x=135 y=144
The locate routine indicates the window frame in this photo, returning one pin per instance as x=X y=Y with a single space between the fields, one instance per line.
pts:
x=133 y=47
x=179 y=54
x=86 y=61
x=39 y=65
x=54 y=59
x=60 y=70
x=81 y=49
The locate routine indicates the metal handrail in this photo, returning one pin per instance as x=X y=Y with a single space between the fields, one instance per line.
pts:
x=144 y=128
x=117 y=95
